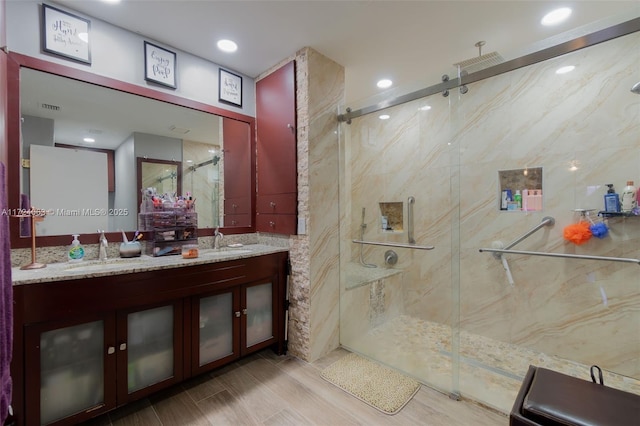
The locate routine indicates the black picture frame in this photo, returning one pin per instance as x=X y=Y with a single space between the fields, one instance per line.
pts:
x=65 y=34
x=229 y=88
x=159 y=65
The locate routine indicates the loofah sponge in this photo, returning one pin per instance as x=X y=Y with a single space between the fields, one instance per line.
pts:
x=578 y=233
x=599 y=230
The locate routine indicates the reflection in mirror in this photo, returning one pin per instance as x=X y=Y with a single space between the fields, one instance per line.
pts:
x=119 y=127
x=163 y=176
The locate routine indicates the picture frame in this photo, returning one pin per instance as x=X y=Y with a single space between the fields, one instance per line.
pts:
x=229 y=88
x=65 y=34
x=159 y=65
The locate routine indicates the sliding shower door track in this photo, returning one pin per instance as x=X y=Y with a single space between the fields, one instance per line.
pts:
x=573 y=45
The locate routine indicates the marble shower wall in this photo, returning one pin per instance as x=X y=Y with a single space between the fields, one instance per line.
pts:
x=583 y=129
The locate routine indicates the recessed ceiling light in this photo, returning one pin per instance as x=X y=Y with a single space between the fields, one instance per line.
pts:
x=556 y=16
x=564 y=70
x=111 y=1
x=425 y=108
x=384 y=117
x=89 y=140
x=227 y=46
x=384 y=83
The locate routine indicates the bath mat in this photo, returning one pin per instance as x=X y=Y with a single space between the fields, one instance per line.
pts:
x=377 y=385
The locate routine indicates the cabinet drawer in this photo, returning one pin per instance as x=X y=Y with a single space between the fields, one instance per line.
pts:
x=277 y=204
x=276 y=223
x=232 y=220
x=241 y=205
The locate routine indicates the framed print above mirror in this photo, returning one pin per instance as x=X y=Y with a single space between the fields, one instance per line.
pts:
x=229 y=88
x=159 y=65
x=65 y=34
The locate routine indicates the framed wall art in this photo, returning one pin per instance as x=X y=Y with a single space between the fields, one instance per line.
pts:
x=159 y=65
x=229 y=88
x=65 y=34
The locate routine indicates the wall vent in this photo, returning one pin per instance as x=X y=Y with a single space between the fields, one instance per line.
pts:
x=50 y=107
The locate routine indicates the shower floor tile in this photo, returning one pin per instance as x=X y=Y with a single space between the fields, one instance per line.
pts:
x=490 y=371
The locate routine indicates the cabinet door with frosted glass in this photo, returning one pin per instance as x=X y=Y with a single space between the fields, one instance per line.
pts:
x=72 y=369
x=215 y=329
x=149 y=346
x=258 y=319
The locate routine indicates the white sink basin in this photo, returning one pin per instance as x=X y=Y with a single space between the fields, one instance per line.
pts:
x=106 y=265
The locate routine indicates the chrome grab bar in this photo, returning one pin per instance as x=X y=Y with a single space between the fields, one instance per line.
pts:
x=571 y=256
x=410 y=202
x=546 y=221
x=402 y=245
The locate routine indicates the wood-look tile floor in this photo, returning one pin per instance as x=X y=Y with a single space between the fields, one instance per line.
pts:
x=266 y=389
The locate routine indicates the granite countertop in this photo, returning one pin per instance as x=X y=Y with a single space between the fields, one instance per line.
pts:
x=96 y=268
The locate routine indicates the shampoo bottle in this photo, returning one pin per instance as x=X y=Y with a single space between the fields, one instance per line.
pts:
x=629 y=194
x=611 y=200
x=76 y=251
x=518 y=199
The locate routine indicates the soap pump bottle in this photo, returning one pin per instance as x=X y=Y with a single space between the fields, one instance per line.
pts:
x=76 y=251
x=611 y=200
x=628 y=200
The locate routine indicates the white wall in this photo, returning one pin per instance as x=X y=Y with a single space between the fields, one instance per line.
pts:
x=119 y=54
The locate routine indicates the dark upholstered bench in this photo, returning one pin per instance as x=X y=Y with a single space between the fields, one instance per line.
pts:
x=549 y=398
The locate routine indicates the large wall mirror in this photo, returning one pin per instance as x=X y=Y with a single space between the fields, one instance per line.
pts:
x=86 y=152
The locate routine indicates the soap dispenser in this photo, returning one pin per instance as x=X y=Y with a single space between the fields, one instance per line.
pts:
x=611 y=200
x=76 y=251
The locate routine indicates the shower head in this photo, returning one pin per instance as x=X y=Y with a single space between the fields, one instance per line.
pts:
x=636 y=88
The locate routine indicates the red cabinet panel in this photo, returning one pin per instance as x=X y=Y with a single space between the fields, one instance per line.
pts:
x=276 y=147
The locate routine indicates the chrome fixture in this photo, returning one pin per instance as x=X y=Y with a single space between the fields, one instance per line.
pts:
x=363 y=226
x=410 y=202
x=102 y=253
x=566 y=255
x=390 y=257
x=379 y=243
x=498 y=247
x=636 y=88
x=217 y=237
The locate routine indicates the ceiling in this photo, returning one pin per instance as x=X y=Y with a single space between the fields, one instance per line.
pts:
x=413 y=43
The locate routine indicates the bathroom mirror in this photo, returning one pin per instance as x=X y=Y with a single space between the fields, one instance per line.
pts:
x=68 y=113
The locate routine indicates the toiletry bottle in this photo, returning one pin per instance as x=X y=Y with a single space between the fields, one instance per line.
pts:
x=76 y=251
x=611 y=200
x=518 y=199
x=537 y=200
x=628 y=200
x=384 y=223
x=525 y=200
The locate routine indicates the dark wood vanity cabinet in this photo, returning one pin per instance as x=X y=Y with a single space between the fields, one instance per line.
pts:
x=94 y=344
x=276 y=204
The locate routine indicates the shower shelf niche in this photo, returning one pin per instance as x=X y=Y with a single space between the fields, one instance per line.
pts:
x=528 y=182
x=392 y=211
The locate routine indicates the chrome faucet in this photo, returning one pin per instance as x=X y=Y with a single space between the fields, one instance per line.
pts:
x=103 y=246
x=217 y=237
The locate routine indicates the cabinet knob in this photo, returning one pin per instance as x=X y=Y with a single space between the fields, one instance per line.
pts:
x=272 y=204
x=123 y=346
x=233 y=222
x=235 y=206
x=111 y=350
x=244 y=311
x=237 y=314
x=272 y=224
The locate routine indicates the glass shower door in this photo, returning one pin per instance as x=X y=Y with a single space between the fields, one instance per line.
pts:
x=397 y=183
